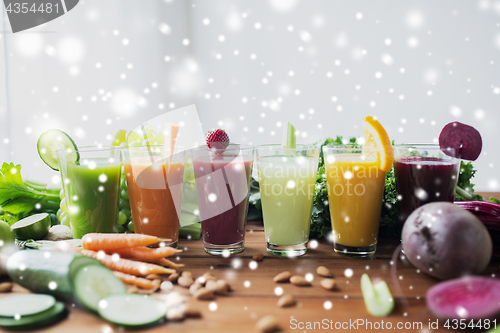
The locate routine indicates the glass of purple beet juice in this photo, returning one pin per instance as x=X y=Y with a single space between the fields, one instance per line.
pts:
x=222 y=185
x=424 y=173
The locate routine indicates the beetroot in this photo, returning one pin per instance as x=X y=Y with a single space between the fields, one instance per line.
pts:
x=465 y=138
x=470 y=297
x=446 y=241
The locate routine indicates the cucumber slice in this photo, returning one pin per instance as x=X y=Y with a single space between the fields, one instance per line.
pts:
x=32 y=227
x=93 y=283
x=25 y=305
x=378 y=298
x=288 y=141
x=50 y=142
x=48 y=317
x=132 y=310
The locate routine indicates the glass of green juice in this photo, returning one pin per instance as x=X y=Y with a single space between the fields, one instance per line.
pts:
x=91 y=180
x=287 y=179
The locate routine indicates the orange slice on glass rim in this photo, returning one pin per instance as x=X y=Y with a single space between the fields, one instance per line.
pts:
x=377 y=143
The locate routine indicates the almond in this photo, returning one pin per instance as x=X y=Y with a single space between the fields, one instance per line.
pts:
x=267 y=324
x=194 y=288
x=222 y=287
x=187 y=274
x=328 y=284
x=190 y=312
x=286 y=300
x=173 y=277
x=323 y=271
x=204 y=294
x=185 y=281
x=212 y=285
x=298 y=280
x=283 y=277
x=166 y=286
x=175 y=315
x=201 y=280
x=258 y=257
x=5 y=287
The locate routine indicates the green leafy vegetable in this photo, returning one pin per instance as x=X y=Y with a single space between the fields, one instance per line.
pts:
x=20 y=198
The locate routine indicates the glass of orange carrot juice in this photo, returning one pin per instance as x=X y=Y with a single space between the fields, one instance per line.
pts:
x=154 y=180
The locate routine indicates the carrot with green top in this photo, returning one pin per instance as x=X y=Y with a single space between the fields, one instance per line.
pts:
x=105 y=242
x=127 y=266
x=145 y=253
x=137 y=281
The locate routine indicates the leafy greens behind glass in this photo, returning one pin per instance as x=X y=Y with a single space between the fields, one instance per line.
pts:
x=20 y=198
x=321 y=226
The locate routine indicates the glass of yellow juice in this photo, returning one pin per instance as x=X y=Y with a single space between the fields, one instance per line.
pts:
x=355 y=191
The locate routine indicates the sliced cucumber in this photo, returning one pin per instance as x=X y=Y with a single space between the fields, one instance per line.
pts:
x=93 y=283
x=47 y=272
x=25 y=305
x=50 y=316
x=132 y=310
x=32 y=227
x=50 y=142
x=378 y=298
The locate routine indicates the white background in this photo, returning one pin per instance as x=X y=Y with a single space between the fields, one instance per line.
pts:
x=251 y=65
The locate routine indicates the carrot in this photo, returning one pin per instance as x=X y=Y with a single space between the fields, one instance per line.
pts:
x=168 y=263
x=96 y=242
x=127 y=266
x=145 y=253
x=137 y=281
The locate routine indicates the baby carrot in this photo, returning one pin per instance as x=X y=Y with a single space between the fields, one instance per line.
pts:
x=168 y=263
x=127 y=266
x=145 y=253
x=96 y=242
x=137 y=281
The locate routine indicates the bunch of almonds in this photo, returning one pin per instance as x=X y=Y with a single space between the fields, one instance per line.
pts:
x=204 y=287
x=182 y=312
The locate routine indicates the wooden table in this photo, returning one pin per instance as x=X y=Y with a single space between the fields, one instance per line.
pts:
x=254 y=292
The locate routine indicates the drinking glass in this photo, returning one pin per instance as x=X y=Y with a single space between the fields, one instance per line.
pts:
x=355 y=191
x=154 y=181
x=222 y=184
x=287 y=178
x=424 y=173
x=91 y=179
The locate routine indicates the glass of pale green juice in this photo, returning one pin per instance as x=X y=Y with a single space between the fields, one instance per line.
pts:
x=91 y=180
x=287 y=178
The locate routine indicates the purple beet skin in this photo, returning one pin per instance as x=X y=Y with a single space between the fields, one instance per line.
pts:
x=464 y=137
x=470 y=297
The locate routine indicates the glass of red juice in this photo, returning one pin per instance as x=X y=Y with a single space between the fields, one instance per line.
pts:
x=424 y=174
x=222 y=185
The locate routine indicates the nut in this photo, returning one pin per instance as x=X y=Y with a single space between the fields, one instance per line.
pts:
x=153 y=277
x=204 y=294
x=185 y=281
x=187 y=273
x=209 y=276
x=323 y=271
x=258 y=257
x=211 y=284
x=283 y=277
x=194 y=288
x=132 y=289
x=173 y=277
x=190 y=312
x=6 y=287
x=166 y=286
x=298 y=280
x=286 y=300
x=201 y=280
x=328 y=284
x=175 y=314
x=222 y=287
x=267 y=324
